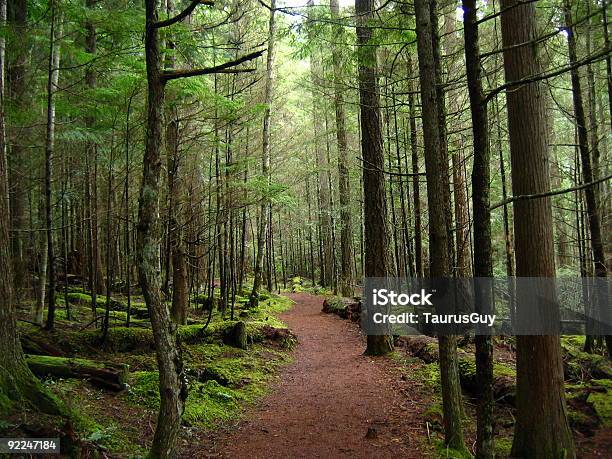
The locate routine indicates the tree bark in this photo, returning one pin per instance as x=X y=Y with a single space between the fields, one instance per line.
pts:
x=17 y=383
x=541 y=428
x=438 y=197
x=172 y=384
x=376 y=239
x=52 y=81
x=344 y=190
x=483 y=263
x=18 y=73
x=416 y=192
x=265 y=156
x=597 y=247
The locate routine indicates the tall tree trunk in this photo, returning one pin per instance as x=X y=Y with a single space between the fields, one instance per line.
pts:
x=597 y=248
x=606 y=35
x=172 y=386
x=438 y=197
x=52 y=81
x=97 y=281
x=454 y=100
x=483 y=263
x=346 y=226
x=541 y=428
x=323 y=194
x=18 y=153
x=175 y=233
x=17 y=383
x=376 y=238
x=265 y=157
x=416 y=194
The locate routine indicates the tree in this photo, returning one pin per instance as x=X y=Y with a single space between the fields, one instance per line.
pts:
x=17 y=383
x=172 y=385
x=438 y=198
x=376 y=239
x=483 y=263
x=265 y=156
x=172 y=382
x=346 y=229
x=541 y=428
x=597 y=246
x=18 y=72
x=52 y=81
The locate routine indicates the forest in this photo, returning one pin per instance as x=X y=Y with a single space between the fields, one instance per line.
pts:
x=194 y=194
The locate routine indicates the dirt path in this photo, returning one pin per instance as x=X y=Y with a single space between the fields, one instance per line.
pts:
x=327 y=401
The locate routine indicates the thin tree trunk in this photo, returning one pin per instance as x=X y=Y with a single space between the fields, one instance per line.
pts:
x=172 y=386
x=483 y=263
x=52 y=81
x=265 y=158
x=418 y=245
x=597 y=248
x=346 y=226
x=438 y=195
x=17 y=383
x=18 y=152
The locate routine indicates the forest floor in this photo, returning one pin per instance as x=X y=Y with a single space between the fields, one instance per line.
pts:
x=332 y=401
x=319 y=398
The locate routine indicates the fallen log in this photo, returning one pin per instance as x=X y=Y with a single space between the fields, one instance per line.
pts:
x=34 y=345
x=504 y=376
x=107 y=376
x=346 y=308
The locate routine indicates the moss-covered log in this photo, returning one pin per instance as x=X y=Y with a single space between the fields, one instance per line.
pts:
x=504 y=376
x=346 y=308
x=101 y=374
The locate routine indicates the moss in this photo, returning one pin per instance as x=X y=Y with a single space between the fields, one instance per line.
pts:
x=210 y=403
x=601 y=400
x=221 y=381
x=430 y=374
x=81 y=298
x=434 y=415
x=122 y=339
x=572 y=342
x=96 y=425
x=467 y=368
x=49 y=360
x=579 y=365
x=503 y=446
x=5 y=402
x=144 y=388
x=446 y=452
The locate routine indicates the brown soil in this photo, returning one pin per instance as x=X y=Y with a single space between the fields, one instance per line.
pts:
x=331 y=402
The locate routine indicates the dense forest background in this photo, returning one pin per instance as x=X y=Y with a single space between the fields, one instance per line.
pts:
x=174 y=164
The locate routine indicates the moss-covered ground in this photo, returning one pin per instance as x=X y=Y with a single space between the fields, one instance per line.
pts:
x=222 y=380
x=588 y=393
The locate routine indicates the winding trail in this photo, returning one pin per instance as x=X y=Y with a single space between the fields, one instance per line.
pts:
x=331 y=402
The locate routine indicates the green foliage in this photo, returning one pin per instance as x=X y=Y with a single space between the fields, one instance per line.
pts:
x=450 y=453
x=219 y=383
x=601 y=400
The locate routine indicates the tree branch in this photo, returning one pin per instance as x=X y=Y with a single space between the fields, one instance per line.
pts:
x=183 y=14
x=373 y=167
x=549 y=193
x=545 y=76
x=222 y=68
